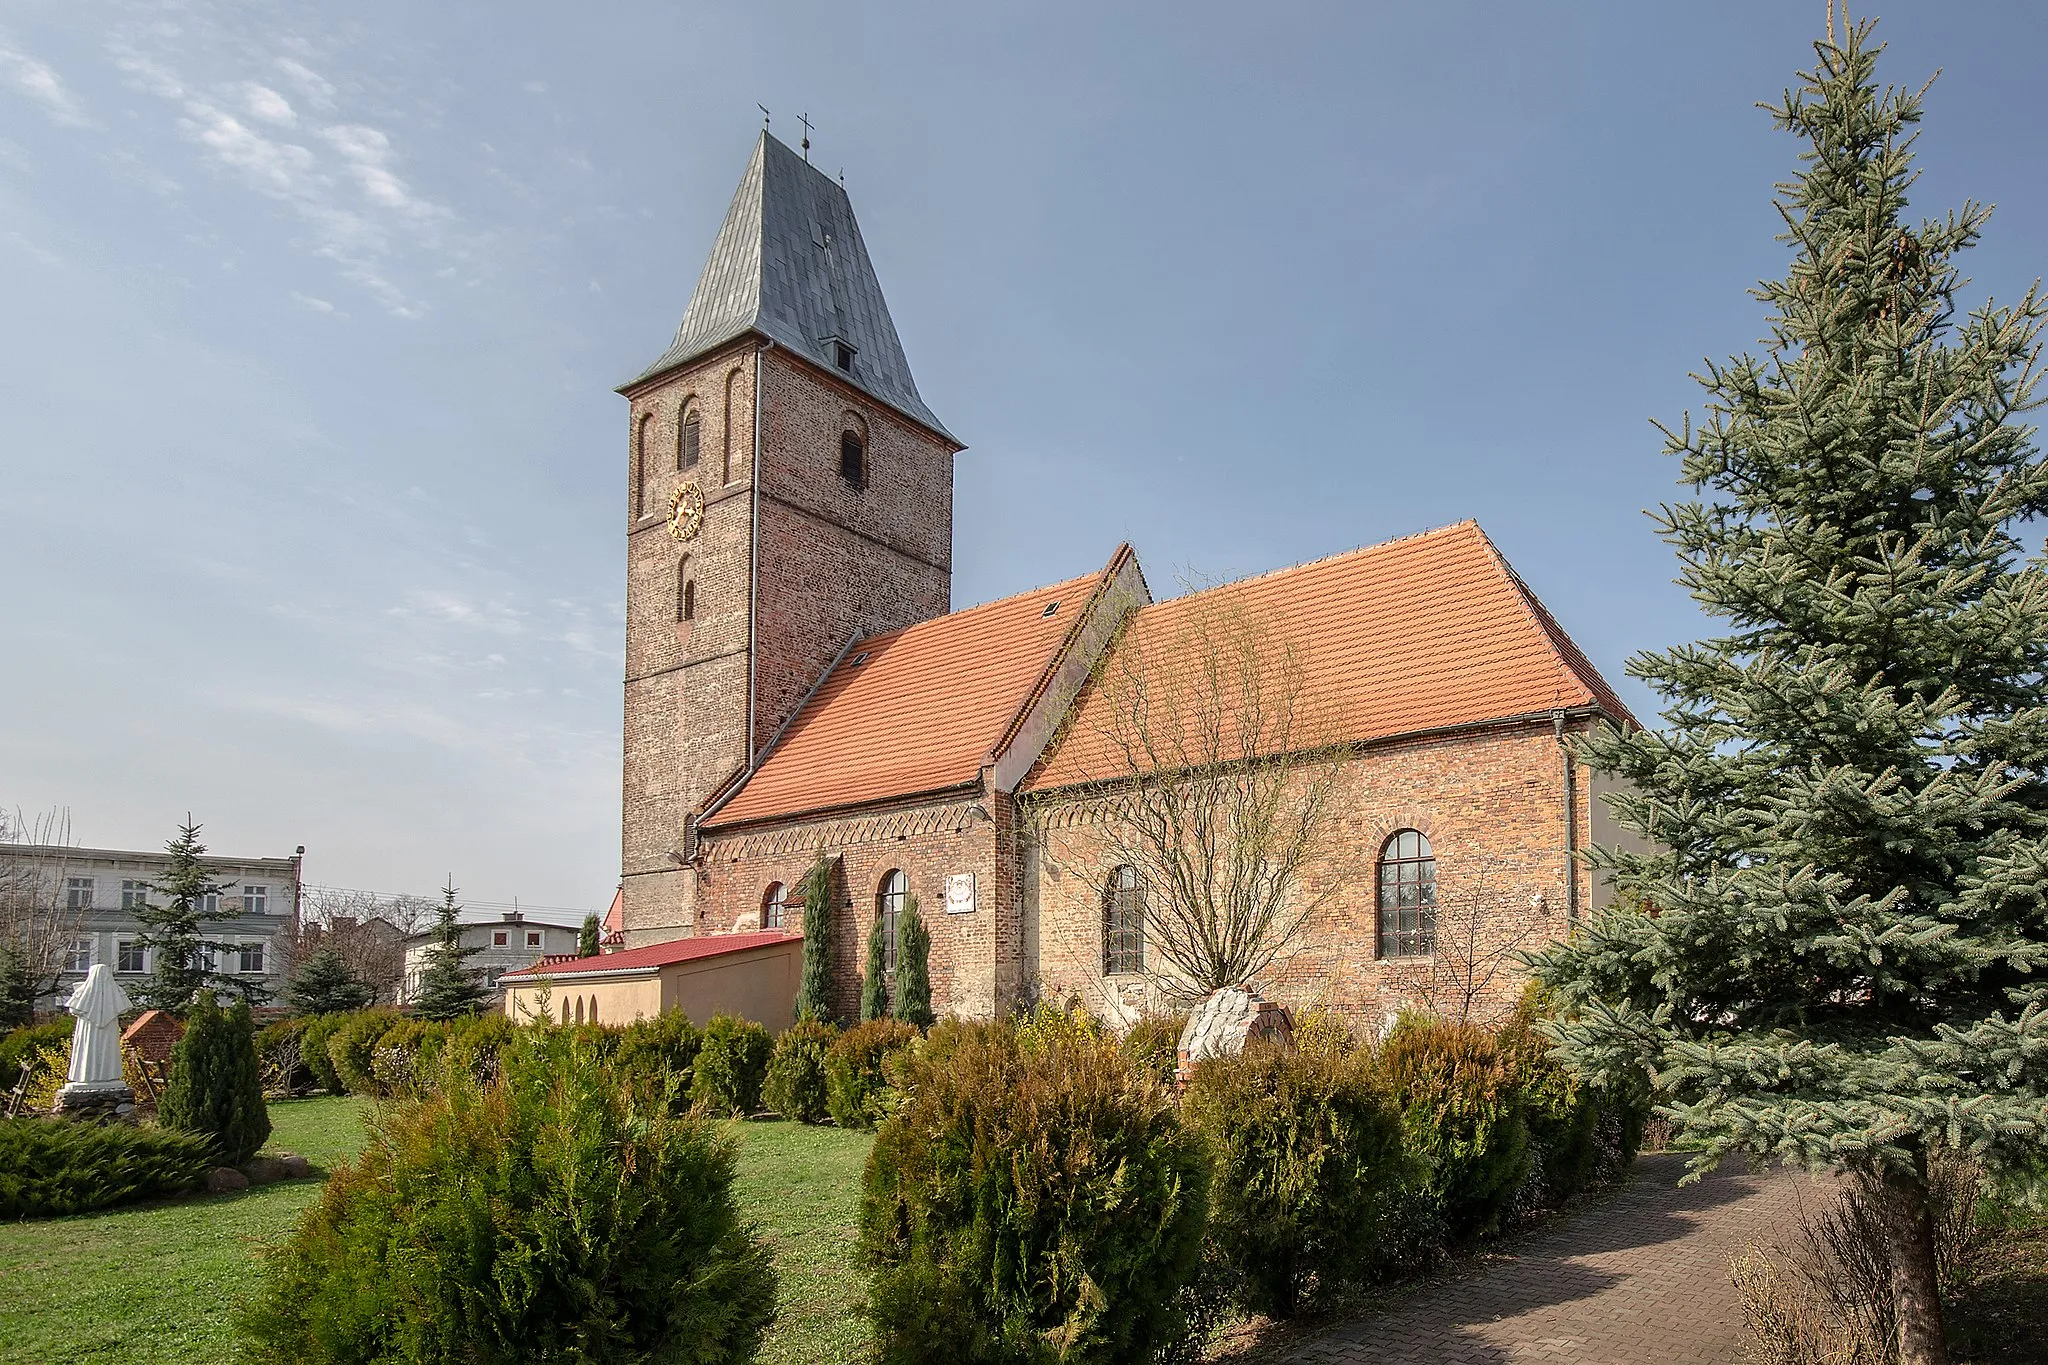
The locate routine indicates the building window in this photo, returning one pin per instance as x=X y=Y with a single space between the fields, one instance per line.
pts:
x=771 y=905
x=134 y=895
x=533 y=938
x=252 y=957
x=256 y=901
x=889 y=899
x=640 y=444
x=686 y=592
x=1123 y=922
x=842 y=356
x=78 y=893
x=853 y=451
x=206 y=903
x=1407 y=896
x=500 y=938
x=78 y=958
x=131 y=957
x=689 y=438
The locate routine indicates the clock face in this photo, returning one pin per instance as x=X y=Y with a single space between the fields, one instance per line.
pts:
x=686 y=512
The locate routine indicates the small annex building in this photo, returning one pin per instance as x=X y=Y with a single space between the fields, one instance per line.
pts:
x=753 y=975
x=797 y=684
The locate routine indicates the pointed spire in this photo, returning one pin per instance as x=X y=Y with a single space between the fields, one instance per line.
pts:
x=789 y=265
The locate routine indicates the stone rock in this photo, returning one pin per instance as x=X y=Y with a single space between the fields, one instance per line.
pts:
x=1222 y=1022
x=296 y=1167
x=225 y=1180
x=265 y=1170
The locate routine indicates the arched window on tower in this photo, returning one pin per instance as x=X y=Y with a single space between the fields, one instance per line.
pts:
x=771 y=905
x=686 y=591
x=1123 y=922
x=732 y=387
x=1407 y=883
x=889 y=898
x=853 y=450
x=640 y=442
x=689 y=436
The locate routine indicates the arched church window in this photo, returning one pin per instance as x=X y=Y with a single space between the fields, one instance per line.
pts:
x=640 y=440
x=579 y=1009
x=689 y=436
x=771 y=905
x=686 y=591
x=889 y=898
x=1407 y=884
x=593 y=1009
x=853 y=451
x=1123 y=922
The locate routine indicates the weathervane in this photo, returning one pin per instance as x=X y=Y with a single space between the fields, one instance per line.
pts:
x=764 y=114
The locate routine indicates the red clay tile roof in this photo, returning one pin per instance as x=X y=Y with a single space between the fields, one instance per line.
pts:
x=1428 y=632
x=915 y=710
x=656 y=954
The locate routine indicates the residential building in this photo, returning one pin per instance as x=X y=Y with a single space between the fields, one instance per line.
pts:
x=501 y=945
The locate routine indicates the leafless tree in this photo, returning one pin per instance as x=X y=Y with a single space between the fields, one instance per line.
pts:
x=38 y=921
x=366 y=930
x=1481 y=933
x=1216 y=785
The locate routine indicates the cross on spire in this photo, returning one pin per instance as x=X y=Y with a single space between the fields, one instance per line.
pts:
x=805 y=120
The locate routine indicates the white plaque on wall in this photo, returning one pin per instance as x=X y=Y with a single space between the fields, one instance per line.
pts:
x=960 y=893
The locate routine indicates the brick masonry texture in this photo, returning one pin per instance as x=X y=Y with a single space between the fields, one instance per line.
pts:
x=833 y=559
x=1639 y=1277
x=1491 y=803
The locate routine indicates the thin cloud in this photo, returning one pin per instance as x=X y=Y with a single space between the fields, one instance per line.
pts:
x=39 y=82
x=264 y=103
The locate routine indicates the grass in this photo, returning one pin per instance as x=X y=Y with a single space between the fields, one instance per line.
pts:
x=162 y=1284
x=159 y=1283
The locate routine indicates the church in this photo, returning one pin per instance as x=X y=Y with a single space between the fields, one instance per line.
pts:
x=798 y=684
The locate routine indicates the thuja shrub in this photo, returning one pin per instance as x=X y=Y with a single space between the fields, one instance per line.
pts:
x=20 y=1046
x=1036 y=1203
x=396 y=1057
x=1310 y=1169
x=56 y=1166
x=560 y=1214
x=731 y=1065
x=666 y=1044
x=214 y=1089
x=857 y=1090
x=1561 y=1109
x=1153 y=1043
x=313 y=1053
x=1464 y=1116
x=354 y=1044
x=795 y=1087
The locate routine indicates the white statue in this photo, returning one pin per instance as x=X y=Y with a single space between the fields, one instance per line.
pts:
x=96 y=1037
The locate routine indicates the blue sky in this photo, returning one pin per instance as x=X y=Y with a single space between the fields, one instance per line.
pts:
x=313 y=476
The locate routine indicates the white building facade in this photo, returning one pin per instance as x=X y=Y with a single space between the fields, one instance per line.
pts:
x=502 y=945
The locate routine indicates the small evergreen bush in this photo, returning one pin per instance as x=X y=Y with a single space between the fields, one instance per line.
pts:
x=795 y=1087
x=472 y=1047
x=731 y=1065
x=22 y=1045
x=353 y=1046
x=1562 y=1111
x=1039 y=1204
x=214 y=1087
x=1310 y=1168
x=313 y=1053
x=857 y=1092
x=1464 y=1115
x=324 y=984
x=663 y=1046
x=398 y=1057
x=1153 y=1043
x=57 y=1166
x=557 y=1215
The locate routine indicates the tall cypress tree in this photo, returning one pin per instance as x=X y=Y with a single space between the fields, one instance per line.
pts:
x=175 y=916
x=1841 y=963
x=913 y=968
x=215 y=1087
x=814 y=991
x=874 y=980
x=587 y=939
x=448 y=989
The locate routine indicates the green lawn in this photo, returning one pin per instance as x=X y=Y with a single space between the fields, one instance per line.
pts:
x=163 y=1283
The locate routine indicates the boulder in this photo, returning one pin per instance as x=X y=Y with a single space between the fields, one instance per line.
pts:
x=296 y=1167
x=225 y=1180
x=265 y=1170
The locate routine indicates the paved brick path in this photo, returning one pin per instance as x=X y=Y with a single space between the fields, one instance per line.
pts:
x=1639 y=1279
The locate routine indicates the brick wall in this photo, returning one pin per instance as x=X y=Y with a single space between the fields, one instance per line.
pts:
x=1491 y=804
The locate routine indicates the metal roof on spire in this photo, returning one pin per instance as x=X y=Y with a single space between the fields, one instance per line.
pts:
x=789 y=264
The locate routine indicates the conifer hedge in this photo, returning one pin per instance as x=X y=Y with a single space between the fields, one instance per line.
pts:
x=215 y=1089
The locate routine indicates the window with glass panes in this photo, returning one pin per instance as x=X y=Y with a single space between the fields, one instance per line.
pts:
x=134 y=895
x=256 y=901
x=1123 y=922
x=889 y=899
x=131 y=957
x=78 y=958
x=78 y=893
x=252 y=957
x=771 y=905
x=1407 y=896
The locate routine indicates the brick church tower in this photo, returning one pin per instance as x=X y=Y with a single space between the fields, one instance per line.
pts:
x=786 y=491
